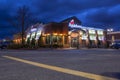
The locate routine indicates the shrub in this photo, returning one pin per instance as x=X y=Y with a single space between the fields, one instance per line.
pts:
x=14 y=46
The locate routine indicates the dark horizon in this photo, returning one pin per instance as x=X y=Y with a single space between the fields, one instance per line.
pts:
x=93 y=13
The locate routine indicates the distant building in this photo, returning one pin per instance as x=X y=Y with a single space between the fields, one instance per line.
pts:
x=17 y=39
x=113 y=36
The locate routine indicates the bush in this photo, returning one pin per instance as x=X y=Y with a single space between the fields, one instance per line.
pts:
x=57 y=46
x=50 y=46
x=33 y=42
x=14 y=46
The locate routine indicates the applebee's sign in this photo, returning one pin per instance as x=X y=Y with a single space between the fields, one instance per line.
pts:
x=73 y=25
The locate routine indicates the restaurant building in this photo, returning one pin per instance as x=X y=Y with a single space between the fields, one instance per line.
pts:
x=67 y=33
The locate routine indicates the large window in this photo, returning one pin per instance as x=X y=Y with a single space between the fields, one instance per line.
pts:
x=54 y=39
x=92 y=34
x=84 y=37
x=101 y=37
x=91 y=31
x=59 y=39
x=92 y=37
x=100 y=32
x=48 y=39
x=28 y=35
x=32 y=35
x=38 y=34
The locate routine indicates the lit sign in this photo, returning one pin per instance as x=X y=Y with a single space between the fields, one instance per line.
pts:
x=33 y=29
x=72 y=21
x=73 y=25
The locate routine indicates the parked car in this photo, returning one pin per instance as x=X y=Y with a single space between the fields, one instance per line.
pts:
x=115 y=44
x=3 y=45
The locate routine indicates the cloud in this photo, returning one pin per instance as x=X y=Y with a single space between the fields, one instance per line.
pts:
x=90 y=12
x=104 y=16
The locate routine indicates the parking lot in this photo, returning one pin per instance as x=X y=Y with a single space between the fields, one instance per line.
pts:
x=60 y=64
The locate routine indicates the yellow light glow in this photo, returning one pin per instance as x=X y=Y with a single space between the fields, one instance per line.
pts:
x=61 y=34
x=44 y=34
x=69 y=32
x=54 y=33
x=81 y=33
x=47 y=34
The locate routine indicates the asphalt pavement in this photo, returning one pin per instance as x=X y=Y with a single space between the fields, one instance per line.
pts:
x=82 y=64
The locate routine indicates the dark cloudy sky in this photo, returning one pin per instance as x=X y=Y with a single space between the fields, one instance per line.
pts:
x=96 y=13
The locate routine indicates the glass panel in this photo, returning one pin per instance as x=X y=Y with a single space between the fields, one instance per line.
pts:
x=100 y=32
x=101 y=37
x=55 y=39
x=48 y=39
x=92 y=37
x=91 y=31
x=84 y=37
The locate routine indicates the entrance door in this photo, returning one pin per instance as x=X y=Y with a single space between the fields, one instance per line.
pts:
x=74 y=39
x=74 y=42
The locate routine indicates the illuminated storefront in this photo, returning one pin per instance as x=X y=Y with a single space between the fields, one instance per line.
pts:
x=85 y=36
x=68 y=33
x=34 y=32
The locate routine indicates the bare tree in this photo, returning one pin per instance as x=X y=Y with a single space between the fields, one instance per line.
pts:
x=22 y=20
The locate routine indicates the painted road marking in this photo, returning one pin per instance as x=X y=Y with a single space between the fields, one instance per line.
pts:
x=63 y=70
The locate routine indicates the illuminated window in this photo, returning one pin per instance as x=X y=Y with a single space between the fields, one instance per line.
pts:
x=54 y=38
x=101 y=37
x=28 y=35
x=32 y=35
x=84 y=29
x=38 y=33
x=84 y=37
x=48 y=39
x=37 y=37
x=91 y=31
x=81 y=33
x=100 y=32
x=92 y=37
x=60 y=39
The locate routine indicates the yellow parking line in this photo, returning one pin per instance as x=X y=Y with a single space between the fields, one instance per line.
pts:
x=63 y=70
